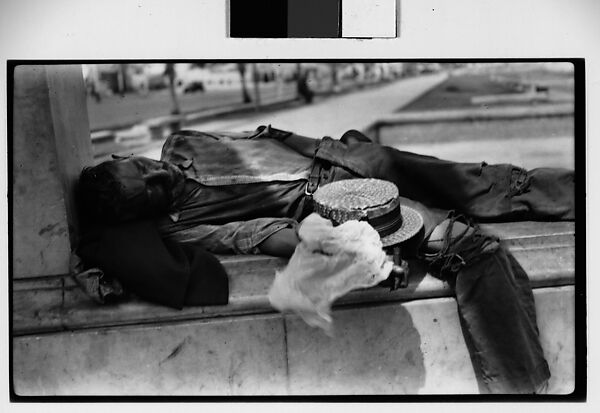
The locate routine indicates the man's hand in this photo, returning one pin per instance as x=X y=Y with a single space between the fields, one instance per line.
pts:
x=280 y=244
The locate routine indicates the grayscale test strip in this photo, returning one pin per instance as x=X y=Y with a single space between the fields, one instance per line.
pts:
x=313 y=18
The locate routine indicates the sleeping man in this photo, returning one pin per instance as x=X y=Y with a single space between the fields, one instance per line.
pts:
x=245 y=193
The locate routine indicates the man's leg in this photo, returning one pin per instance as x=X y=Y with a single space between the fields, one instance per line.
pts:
x=485 y=192
x=495 y=305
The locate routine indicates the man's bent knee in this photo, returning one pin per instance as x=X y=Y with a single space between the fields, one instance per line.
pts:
x=456 y=243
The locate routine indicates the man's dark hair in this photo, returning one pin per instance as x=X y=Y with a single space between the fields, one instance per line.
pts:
x=100 y=194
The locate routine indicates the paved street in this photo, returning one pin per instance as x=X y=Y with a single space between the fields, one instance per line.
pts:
x=331 y=116
x=334 y=115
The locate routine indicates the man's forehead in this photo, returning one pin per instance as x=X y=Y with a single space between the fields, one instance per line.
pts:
x=123 y=166
x=131 y=166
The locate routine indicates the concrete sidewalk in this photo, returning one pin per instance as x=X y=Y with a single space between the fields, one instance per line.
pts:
x=332 y=116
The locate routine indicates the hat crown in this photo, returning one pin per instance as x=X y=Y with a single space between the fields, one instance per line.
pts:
x=373 y=200
x=357 y=199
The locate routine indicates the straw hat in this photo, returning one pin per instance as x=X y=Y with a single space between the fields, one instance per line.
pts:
x=372 y=200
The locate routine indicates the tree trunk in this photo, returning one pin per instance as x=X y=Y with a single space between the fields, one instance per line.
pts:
x=335 y=83
x=122 y=78
x=255 y=80
x=245 y=95
x=298 y=80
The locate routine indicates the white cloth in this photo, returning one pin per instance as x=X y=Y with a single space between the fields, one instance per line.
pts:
x=327 y=263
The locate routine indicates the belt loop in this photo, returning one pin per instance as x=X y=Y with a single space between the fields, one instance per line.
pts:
x=314 y=179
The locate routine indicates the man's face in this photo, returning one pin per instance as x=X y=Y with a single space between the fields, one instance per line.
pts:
x=147 y=186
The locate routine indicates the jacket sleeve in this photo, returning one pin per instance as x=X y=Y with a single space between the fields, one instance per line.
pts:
x=302 y=144
x=239 y=237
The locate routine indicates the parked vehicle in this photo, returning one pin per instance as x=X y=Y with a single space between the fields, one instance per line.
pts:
x=190 y=78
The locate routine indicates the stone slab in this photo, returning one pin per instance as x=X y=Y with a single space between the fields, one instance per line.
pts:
x=487 y=113
x=225 y=357
x=388 y=349
x=414 y=348
x=556 y=321
x=35 y=312
x=533 y=234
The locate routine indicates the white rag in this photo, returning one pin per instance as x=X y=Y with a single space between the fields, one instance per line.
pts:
x=327 y=263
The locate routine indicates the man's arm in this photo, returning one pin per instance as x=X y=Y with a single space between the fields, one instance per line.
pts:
x=302 y=144
x=280 y=244
x=273 y=236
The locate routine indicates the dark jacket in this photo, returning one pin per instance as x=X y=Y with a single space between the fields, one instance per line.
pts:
x=156 y=270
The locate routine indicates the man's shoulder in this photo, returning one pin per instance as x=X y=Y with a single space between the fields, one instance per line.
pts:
x=264 y=132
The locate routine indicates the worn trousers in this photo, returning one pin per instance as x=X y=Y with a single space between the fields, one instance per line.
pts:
x=495 y=302
x=496 y=309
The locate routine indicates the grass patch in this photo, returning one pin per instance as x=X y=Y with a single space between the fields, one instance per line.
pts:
x=457 y=90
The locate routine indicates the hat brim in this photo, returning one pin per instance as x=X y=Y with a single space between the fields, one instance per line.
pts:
x=412 y=221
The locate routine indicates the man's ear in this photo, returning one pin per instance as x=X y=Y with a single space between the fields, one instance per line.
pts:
x=119 y=156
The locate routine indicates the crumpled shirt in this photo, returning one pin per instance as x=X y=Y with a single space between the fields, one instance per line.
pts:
x=328 y=263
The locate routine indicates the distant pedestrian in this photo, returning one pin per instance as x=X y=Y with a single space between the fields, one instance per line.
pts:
x=171 y=75
x=303 y=88
x=94 y=91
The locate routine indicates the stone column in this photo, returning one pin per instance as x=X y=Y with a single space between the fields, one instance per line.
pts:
x=51 y=143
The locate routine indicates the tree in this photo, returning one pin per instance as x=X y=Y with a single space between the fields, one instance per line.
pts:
x=245 y=95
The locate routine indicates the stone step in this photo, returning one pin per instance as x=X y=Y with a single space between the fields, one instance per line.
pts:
x=545 y=250
x=413 y=347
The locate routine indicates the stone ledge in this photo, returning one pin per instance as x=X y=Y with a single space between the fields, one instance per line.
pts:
x=461 y=115
x=394 y=348
x=468 y=115
x=545 y=250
